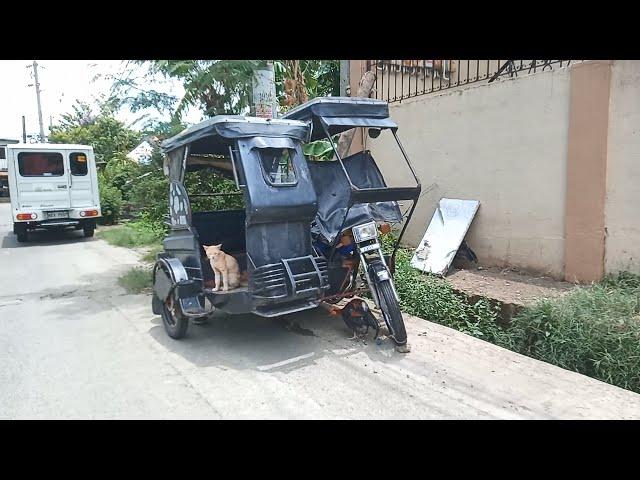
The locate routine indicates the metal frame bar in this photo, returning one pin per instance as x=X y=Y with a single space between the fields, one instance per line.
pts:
x=187 y=150
x=353 y=187
x=233 y=166
x=415 y=201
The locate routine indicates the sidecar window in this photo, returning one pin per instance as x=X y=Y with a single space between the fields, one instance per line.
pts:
x=277 y=164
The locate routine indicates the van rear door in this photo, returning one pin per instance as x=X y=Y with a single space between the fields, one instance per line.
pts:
x=81 y=184
x=42 y=178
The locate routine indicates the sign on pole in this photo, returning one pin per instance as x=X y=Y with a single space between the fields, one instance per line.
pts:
x=264 y=92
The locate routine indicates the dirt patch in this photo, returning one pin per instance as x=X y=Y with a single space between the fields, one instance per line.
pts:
x=509 y=286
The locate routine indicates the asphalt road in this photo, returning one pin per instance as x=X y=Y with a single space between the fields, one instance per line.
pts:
x=74 y=345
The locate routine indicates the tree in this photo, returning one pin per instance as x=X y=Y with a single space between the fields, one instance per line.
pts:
x=110 y=138
x=299 y=80
x=220 y=87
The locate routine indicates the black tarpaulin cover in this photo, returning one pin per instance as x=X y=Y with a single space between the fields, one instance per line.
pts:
x=332 y=189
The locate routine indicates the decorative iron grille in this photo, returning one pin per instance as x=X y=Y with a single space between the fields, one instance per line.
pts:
x=397 y=80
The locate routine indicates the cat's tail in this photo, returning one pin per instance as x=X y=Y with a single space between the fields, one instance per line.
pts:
x=244 y=278
x=234 y=280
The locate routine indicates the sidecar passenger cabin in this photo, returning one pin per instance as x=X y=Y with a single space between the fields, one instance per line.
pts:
x=260 y=213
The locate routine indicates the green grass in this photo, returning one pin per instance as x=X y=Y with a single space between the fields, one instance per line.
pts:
x=593 y=330
x=150 y=256
x=136 y=280
x=128 y=236
x=430 y=297
x=133 y=234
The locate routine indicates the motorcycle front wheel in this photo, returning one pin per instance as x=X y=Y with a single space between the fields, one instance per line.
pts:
x=391 y=312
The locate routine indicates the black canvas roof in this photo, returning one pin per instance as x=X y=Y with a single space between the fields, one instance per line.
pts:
x=211 y=136
x=342 y=113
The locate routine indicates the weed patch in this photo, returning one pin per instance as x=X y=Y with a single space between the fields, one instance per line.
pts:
x=136 y=280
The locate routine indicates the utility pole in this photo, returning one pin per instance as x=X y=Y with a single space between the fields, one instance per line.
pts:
x=24 y=131
x=37 y=85
x=344 y=77
x=264 y=92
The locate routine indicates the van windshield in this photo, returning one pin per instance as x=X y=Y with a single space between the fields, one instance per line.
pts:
x=40 y=164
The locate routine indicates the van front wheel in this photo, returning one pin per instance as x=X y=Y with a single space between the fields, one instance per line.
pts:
x=88 y=231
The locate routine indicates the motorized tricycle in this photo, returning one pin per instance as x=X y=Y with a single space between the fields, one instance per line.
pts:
x=354 y=201
x=287 y=239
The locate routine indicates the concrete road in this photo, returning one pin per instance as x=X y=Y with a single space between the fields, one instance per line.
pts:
x=74 y=345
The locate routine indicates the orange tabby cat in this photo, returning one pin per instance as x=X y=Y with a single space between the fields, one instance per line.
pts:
x=225 y=268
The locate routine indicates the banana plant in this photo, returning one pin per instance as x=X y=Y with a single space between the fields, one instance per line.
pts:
x=320 y=149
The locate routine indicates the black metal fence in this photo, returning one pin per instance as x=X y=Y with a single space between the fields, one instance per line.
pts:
x=397 y=80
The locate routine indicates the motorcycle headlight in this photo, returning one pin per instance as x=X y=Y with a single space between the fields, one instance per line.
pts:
x=368 y=231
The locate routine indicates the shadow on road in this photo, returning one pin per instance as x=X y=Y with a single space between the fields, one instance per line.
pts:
x=239 y=342
x=90 y=294
x=282 y=344
x=45 y=237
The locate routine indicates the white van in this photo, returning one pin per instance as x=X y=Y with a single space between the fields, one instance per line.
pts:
x=52 y=186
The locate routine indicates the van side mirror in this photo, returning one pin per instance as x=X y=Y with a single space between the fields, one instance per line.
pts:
x=374 y=132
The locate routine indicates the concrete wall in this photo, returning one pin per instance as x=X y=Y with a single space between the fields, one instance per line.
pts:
x=504 y=144
x=622 y=207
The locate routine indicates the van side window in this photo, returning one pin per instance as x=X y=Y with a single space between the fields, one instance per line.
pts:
x=78 y=162
x=3 y=155
x=40 y=164
x=278 y=165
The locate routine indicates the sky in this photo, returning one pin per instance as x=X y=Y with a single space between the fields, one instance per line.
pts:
x=61 y=83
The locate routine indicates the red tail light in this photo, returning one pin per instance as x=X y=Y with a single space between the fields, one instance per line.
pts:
x=89 y=213
x=26 y=216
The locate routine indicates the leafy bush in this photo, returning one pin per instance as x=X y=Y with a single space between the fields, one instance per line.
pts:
x=147 y=226
x=121 y=173
x=150 y=194
x=207 y=181
x=110 y=201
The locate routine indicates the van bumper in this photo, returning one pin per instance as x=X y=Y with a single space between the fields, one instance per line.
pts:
x=72 y=214
x=54 y=224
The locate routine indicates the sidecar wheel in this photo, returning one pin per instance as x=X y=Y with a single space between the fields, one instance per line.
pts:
x=175 y=323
